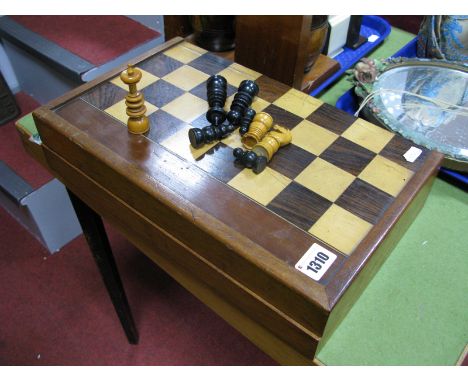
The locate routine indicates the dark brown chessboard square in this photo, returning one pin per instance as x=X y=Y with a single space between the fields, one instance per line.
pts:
x=161 y=93
x=160 y=65
x=397 y=147
x=365 y=201
x=291 y=160
x=219 y=162
x=270 y=89
x=104 y=95
x=348 y=156
x=331 y=118
x=163 y=125
x=200 y=91
x=282 y=117
x=299 y=205
x=210 y=64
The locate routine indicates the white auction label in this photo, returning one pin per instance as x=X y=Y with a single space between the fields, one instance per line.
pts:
x=412 y=154
x=316 y=261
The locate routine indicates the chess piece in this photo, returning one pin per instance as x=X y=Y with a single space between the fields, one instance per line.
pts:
x=247 y=91
x=198 y=137
x=214 y=32
x=216 y=87
x=137 y=120
x=246 y=120
x=277 y=137
x=250 y=159
x=261 y=123
x=264 y=150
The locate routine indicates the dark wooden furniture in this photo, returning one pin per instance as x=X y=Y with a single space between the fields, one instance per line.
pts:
x=230 y=237
x=276 y=46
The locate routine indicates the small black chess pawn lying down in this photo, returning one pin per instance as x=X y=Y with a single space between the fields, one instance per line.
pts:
x=246 y=120
x=250 y=159
x=216 y=87
x=247 y=91
x=208 y=134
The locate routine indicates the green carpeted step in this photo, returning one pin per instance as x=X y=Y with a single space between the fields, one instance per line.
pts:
x=415 y=310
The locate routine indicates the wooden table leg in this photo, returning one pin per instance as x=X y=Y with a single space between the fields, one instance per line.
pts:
x=94 y=231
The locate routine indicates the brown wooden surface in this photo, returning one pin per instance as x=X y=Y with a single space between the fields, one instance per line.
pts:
x=176 y=26
x=148 y=191
x=32 y=148
x=229 y=54
x=274 y=46
x=264 y=322
x=292 y=73
x=323 y=68
x=214 y=222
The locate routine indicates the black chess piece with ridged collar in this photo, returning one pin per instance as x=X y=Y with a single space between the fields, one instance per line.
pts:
x=247 y=91
x=216 y=88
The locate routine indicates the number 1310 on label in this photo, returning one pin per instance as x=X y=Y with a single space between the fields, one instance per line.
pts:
x=315 y=262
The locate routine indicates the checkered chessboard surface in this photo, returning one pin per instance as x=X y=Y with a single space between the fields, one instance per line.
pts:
x=335 y=180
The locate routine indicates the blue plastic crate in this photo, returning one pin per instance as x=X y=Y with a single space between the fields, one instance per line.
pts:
x=349 y=103
x=371 y=25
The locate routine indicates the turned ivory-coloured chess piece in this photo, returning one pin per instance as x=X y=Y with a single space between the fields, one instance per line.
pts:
x=259 y=126
x=263 y=151
x=137 y=120
x=277 y=137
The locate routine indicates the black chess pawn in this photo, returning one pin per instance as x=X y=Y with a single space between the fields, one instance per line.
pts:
x=216 y=87
x=208 y=134
x=246 y=120
x=250 y=159
x=247 y=91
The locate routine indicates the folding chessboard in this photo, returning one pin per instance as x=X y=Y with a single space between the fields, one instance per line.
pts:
x=335 y=180
x=342 y=191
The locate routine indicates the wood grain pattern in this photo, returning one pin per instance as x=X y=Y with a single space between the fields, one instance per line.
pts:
x=218 y=162
x=323 y=68
x=291 y=160
x=273 y=331
x=397 y=147
x=177 y=25
x=160 y=65
x=105 y=95
x=177 y=214
x=144 y=154
x=270 y=89
x=111 y=74
x=283 y=117
x=163 y=125
x=188 y=199
x=348 y=156
x=299 y=205
x=161 y=93
x=332 y=118
x=365 y=201
x=263 y=40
